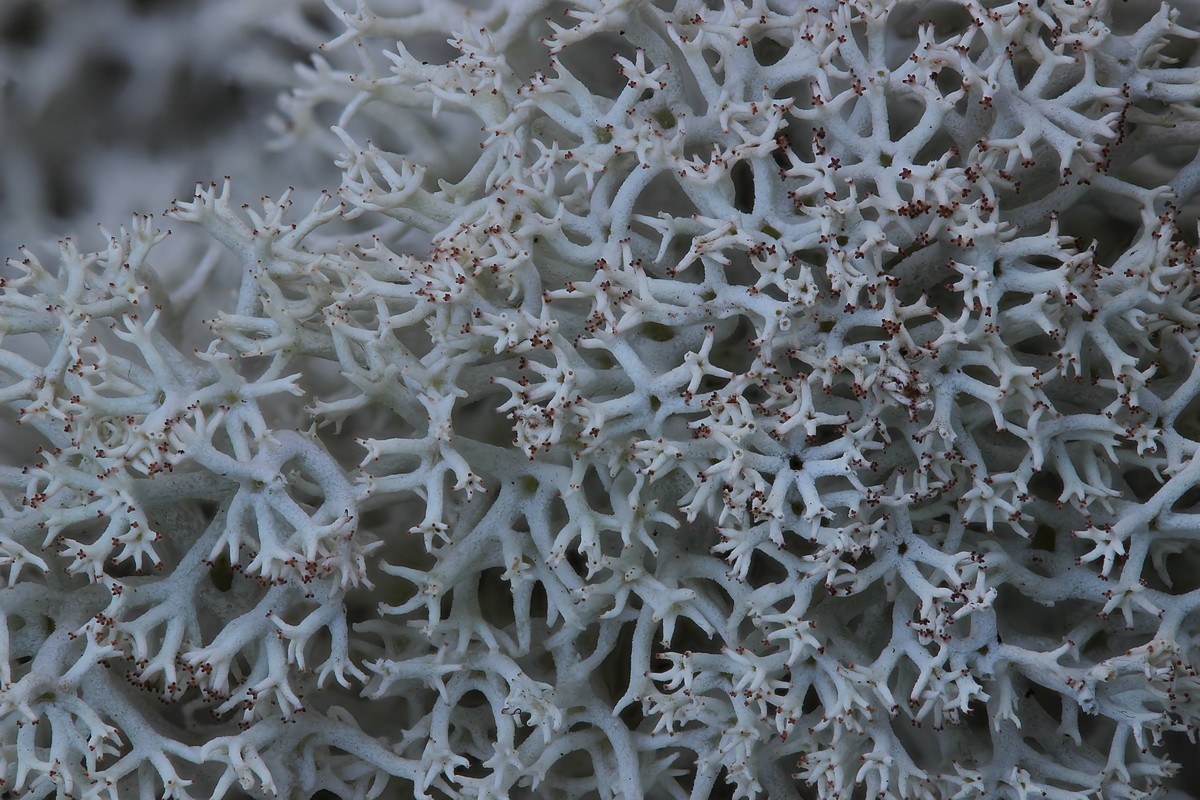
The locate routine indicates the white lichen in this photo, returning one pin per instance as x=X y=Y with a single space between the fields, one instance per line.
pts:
x=798 y=398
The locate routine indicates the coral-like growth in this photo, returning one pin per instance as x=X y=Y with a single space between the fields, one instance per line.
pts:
x=794 y=399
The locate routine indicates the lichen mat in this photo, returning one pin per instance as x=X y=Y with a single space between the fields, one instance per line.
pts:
x=674 y=400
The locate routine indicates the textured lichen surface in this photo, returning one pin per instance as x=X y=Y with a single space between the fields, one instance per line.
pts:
x=675 y=399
